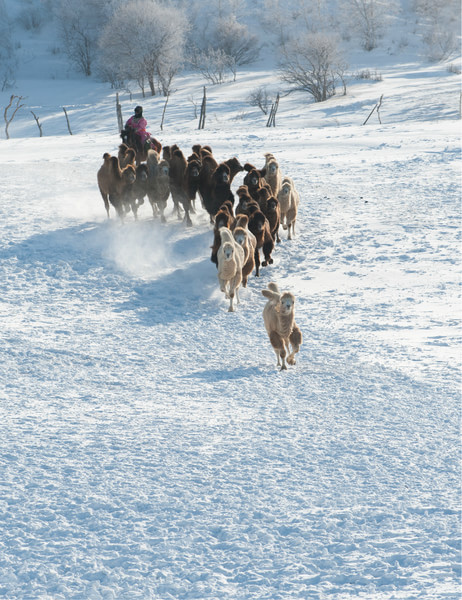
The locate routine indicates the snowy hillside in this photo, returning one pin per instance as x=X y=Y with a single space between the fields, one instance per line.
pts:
x=149 y=447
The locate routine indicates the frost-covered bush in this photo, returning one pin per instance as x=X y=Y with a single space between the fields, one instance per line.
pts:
x=31 y=17
x=367 y=19
x=439 y=26
x=452 y=68
x=260 y=98
x=440 y=43
x=214 y=64
x=313 y=63
x=368 y=74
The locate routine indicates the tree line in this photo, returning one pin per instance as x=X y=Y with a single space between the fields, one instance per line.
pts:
x=146 y=43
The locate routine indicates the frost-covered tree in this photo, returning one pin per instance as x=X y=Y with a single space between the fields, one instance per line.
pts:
x=313 y=63
x=276 y=19
x=144 y=40
x=438 y=11
x=440 y=43
x=8 y=62
x=79 y=25
x=220 y=40
x=235 y=40
x=201 y=13
x=439 y=24
x=214 y=65
x=289 y=18
x=368 y=19
x=225 y=44
x=224 y=25
x=32 y=15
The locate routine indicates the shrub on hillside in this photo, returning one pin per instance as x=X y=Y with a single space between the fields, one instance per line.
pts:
x=313 y=63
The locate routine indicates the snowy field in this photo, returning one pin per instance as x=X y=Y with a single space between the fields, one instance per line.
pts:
x=149 y=447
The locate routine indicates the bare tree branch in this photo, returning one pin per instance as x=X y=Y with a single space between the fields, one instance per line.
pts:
x=9 y=118
x=38 y=123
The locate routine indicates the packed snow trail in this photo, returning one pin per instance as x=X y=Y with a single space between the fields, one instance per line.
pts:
x=150 y=449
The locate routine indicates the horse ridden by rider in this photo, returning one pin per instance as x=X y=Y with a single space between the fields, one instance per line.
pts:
x=135 y=135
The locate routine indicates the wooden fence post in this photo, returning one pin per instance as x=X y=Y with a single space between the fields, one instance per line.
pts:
x=268 y=122
x=377 y=108
x=203 y=110
x=271 y=122
x=163 y=114
x=120 y=121
x=67 y=119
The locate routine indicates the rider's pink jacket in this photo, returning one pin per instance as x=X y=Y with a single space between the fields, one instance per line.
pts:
x=139 y=125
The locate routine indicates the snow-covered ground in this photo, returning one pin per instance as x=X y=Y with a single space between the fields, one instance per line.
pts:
x=149 y=447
